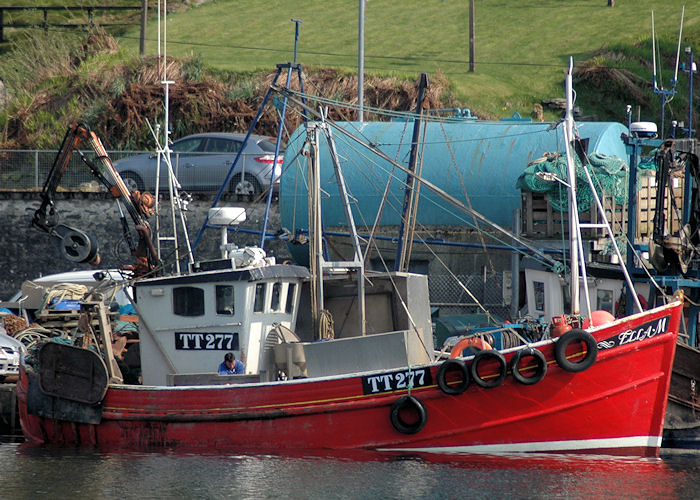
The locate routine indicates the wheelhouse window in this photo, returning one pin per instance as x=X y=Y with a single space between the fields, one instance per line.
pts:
x=538 y=288
x=290 y=298
x=259 y=297
x=224 y=300
x=605 y=300
x=188 y=301
x=276 y=297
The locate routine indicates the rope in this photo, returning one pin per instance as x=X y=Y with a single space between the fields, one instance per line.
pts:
x=61 y=292
x=325 y=324
x=34 y=335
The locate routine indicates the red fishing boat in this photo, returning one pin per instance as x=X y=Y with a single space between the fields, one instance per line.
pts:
x=340 y=358
x=617 y=405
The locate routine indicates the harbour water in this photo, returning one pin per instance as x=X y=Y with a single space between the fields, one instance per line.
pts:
x=40 y=472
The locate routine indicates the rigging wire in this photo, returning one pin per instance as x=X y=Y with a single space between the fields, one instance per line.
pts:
x=457 y=214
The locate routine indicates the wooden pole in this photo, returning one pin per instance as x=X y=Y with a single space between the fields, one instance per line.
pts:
x=144 y=20
x=471 y=37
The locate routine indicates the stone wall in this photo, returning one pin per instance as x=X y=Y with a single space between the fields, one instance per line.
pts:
x=27 y=252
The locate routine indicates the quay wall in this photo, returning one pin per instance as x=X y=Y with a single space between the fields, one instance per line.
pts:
x=27 y=252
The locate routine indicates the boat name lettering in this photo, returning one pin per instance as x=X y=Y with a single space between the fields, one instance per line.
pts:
x=396 y=380
x=196 y=341
x=645 y=331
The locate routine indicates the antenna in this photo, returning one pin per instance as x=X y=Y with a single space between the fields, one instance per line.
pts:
x=678 y=51
x=653 y=50
x=666 y=95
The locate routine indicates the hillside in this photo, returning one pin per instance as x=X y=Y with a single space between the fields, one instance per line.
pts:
x=221 y=66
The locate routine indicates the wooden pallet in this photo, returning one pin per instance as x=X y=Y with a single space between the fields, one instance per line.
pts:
x=541 y=221
x=64 y=319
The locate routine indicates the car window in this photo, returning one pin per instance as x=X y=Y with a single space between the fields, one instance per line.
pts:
x=221 y=145
x=269 y=146
x=187 y=145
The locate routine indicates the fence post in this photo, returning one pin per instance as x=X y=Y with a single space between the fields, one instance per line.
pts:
x=36 y=169
x=2 y=24
x=46 y=20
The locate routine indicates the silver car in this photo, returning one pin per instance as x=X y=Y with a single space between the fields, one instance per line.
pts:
x=201 y=162
x=11 y=352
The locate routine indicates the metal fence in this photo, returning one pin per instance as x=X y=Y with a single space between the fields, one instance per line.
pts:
x=27 y=169
x=492 y=291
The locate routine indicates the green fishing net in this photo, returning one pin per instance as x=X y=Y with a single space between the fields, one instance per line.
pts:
x=609 y=175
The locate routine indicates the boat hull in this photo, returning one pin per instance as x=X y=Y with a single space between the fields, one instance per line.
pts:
x=682 y=425
x=616 y=406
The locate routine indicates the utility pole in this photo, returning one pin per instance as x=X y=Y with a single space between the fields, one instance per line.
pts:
x=471 y=37
x=361 y=62
x=144 y=19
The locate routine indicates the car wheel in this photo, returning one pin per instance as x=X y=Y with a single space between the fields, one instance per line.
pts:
x=249 y=186
x=133 y=181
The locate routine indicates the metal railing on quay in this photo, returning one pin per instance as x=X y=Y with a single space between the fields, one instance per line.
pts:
x=27 y=169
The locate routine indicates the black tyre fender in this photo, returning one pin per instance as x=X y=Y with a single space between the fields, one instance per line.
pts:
x=502 y=369
x=403 y=403
x=449 y=365
x=540 y=371
x=563 y=342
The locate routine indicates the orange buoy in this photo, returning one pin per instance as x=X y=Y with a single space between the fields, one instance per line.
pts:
x=598 y=318
x=463 y=344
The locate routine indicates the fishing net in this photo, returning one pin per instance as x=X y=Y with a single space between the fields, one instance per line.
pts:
x=609 y=174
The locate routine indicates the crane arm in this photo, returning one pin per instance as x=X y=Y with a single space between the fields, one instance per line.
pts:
x=75 y=244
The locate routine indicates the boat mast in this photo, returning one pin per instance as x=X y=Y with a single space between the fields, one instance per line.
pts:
x=315 y=239
x=163 y=150
x=408 y=214
x=574 y=231
x=578 y=262
x=317 y=262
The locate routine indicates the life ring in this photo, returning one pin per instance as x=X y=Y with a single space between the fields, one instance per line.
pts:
x=563 y=342
x=540 y=370
x=453 y=365
x=478 y=342
x=408 y=403
x=494 y=381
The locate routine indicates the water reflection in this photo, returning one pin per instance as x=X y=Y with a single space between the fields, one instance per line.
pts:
x=40 y=472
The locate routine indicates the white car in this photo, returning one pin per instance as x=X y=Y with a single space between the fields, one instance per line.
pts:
x=202 y=161
x=11 y=352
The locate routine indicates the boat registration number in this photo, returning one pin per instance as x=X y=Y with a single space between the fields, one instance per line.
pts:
x=196 y=341
x=645 y=331
x=396 y=380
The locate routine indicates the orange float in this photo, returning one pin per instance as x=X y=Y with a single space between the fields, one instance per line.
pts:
x=598 y=318
x=476 y=342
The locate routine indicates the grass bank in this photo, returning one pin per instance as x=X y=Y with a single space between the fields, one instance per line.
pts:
x=223 y=52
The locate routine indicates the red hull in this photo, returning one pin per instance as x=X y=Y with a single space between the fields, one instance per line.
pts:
x=617 y=406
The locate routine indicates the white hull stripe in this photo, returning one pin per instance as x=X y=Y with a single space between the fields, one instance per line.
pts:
x=542 y=446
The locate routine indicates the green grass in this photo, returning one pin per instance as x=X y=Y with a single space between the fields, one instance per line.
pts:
x=522 y=51
x=522 y=46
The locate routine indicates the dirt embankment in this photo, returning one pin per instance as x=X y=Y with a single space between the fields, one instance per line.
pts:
x=119 y=101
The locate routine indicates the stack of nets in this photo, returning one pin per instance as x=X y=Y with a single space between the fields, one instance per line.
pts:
x=609 y=174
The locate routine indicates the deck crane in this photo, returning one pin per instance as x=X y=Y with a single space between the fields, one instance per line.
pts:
x=76 y=245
